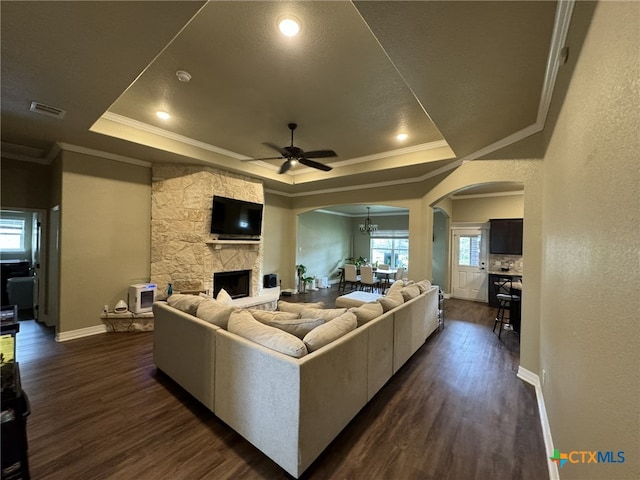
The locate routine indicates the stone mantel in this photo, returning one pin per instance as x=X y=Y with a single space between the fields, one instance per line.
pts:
x=182 y=250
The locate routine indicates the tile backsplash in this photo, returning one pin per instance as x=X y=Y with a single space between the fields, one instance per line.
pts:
x=496 y=262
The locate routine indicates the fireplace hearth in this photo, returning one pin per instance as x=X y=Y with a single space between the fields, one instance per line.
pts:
x=236 y=284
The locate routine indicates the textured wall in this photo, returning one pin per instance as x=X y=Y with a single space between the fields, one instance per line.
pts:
x=180 y=226
x=590 y=337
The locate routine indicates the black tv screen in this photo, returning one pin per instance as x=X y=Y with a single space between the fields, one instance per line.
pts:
x=236 y=217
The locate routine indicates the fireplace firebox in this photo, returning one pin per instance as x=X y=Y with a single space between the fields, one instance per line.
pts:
x=236 y=284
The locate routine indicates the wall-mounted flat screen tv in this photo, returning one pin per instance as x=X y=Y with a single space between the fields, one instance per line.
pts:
x=236 y=217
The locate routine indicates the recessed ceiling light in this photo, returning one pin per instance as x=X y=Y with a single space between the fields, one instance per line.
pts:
x=163 y=115
x=289 y=26
x=402 y=136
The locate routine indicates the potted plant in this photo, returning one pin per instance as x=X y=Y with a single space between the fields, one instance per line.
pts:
x=357 y=262
x=302 y=280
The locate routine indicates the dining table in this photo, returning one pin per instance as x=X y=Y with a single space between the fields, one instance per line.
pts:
x=378 y=272
x=386 y=273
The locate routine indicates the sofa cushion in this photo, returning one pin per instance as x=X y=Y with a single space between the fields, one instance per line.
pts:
x=267 y=315
x=397 y=285
x=325 y=314
x=289 y=322
x=409 y=292
x=186 y=303
x=423 y=285
x=243 y=324
x=223 y=297
x=212 y=311
x=391 y=301
x=330 y=331
x=367 y=312
x=297 y=307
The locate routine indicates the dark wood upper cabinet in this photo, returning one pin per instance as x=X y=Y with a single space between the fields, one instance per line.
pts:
x=505 y=236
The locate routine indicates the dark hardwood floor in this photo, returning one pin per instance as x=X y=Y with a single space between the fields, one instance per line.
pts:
x=456 y=410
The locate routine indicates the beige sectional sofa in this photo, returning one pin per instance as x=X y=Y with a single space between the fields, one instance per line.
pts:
x=291 y=408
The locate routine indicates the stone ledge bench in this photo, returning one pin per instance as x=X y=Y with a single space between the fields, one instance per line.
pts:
x=128 y=321
x=355 y=299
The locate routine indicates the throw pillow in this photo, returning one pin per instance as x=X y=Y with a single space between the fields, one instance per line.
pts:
x=423 y=285
x=409 y=292
x=186 y=303
x=397 y=285
x=224 y=298
x=330 y=331
x=325 y=314
x=214 y=312
x=297 y=307
x=367 y=312
x=391 y=301
x=244 y=325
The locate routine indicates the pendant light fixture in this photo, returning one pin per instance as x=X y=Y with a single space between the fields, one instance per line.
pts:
x=368 y=227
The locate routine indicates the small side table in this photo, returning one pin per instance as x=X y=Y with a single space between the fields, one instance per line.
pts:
x=440 y=308
x=128 y=321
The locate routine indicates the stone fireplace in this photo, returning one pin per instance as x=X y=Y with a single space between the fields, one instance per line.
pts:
x=236 y=284
x=183 y=252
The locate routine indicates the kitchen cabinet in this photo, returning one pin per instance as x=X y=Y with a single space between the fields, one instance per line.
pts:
x=505 y=236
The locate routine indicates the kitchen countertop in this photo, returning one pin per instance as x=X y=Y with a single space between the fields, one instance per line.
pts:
x=510 y=273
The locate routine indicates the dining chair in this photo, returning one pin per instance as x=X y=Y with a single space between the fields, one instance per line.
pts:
x=368 y=279
x=351 y=275
x=399 y=273
x=383 y=266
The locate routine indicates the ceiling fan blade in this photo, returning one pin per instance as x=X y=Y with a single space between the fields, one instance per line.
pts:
x=285 y=166
x=311 y=163
x=320 y=154
x=284 y=152
x=256 y=159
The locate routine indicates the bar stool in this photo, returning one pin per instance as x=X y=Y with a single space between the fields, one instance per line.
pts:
x=505 y=301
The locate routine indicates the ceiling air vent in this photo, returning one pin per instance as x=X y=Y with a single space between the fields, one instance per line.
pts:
x=47 y=110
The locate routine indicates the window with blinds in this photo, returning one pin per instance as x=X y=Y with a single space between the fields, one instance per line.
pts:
x=12 y=234
x=390 y=247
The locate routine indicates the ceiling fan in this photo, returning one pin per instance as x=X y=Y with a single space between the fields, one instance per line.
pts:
x=293 y=154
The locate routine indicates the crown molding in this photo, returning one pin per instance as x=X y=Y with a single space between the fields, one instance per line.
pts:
x=486 y=195
x=352 y=188
x=405 y=212
x=99 y=153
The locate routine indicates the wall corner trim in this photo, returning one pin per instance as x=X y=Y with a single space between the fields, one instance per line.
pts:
x=534 y=380
x=81 y=332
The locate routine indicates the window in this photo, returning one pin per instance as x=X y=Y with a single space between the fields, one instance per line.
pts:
x=469 y=250
x=390 y=247
x=12 y=234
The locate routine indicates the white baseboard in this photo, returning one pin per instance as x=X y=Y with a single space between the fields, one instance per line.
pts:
x=533 y=379
x=81 y=332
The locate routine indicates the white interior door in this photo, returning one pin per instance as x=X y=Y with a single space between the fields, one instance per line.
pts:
x=469 y=275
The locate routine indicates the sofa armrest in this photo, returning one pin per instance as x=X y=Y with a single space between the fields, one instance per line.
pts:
x=184 y=349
